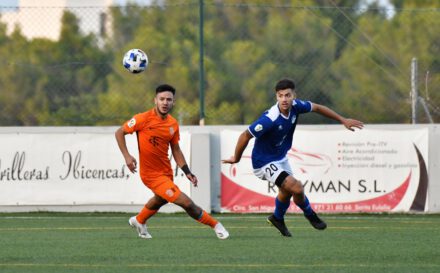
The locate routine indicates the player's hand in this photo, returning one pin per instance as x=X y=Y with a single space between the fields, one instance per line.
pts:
x=350 y=124
x=131 y=163
x=193 y=179
x=231 y=160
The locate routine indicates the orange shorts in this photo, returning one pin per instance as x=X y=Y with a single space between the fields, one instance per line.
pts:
x=164 y=187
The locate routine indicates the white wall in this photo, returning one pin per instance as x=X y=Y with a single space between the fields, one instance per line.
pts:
x=205 y=159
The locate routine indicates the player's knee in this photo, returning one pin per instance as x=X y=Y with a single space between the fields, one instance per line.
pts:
x=293 y=185
x=187 y=204
x=298 y=188
x=284 y=195
x=156 y=202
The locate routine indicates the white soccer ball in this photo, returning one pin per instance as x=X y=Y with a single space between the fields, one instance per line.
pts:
x=135 y=60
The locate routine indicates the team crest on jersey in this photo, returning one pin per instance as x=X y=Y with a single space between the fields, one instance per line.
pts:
x=258 y=127
x=171 y=131
x=131 y=123
x=169 y=192
x=293 y=119
x=280 y=127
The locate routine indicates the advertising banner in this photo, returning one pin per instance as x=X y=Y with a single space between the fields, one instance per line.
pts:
x=342 y=171
x=73 y=169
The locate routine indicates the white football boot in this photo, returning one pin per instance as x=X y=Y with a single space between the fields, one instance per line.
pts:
x=141 y=228
x=220 y=231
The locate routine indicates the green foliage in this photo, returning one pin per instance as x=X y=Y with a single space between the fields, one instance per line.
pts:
x=52 y=83
x=356 y=62
x=375 y=74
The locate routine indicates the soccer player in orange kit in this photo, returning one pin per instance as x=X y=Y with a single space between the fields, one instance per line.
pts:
x=157 y=130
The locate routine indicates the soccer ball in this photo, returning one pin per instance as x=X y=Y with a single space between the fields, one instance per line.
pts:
x=135 y=60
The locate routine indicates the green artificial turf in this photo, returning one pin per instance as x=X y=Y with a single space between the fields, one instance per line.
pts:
x=103 y=242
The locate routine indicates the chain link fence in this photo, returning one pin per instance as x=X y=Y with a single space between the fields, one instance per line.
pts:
x=61 y=65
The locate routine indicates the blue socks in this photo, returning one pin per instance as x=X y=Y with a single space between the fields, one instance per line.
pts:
x=280 y=209
x=306 y=208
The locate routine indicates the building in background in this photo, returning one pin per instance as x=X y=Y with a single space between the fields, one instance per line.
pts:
x=42 y=18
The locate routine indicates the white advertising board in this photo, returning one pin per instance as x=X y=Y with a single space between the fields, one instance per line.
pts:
x=342 y=171
x=73 y=169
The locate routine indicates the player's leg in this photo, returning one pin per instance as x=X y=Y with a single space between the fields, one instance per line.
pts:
x=167 y=190
x=200 y=215
x=150 y=208
x=276 y=172
x=282 y=203
x=296 y=188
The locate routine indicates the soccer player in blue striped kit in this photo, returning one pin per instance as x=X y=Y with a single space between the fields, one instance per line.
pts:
x=274 y=134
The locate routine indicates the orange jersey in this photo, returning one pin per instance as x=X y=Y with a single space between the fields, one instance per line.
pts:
x=154 y=136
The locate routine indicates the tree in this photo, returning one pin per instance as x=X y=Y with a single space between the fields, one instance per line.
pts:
x=374 y=75
x=75 y=87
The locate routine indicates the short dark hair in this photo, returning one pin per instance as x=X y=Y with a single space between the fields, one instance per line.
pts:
x=284 y=84
x=164 y=88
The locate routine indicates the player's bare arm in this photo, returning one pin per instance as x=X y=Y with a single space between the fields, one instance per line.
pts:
x=350 y=124
x=181 y=162
x=242 y=143
x=129 y=159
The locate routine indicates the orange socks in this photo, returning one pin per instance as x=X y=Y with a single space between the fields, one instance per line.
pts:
x=207 y=219
x=144 y=214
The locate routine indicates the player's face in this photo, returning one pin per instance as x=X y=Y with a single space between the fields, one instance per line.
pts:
x=164 y=102
x=285 y=98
